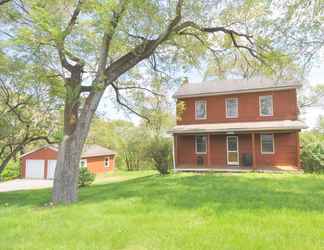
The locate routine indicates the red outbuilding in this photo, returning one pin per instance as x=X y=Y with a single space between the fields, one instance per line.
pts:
x=41 y=163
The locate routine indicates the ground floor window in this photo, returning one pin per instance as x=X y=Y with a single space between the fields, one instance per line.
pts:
x=267 y=143
x=201 y=144
x=106 y=162
x=83 y=163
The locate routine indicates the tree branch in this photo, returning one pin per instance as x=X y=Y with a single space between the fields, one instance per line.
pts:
x=141 y=88
x=106 y=41
x=124 y=104
x=4 y=1
x=73 y=19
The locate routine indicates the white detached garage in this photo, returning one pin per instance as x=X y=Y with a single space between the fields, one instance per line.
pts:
x=35 y=169
x=40 y=163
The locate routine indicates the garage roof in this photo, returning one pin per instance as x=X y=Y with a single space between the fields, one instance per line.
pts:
x=233 y=86
x=89 y=150
x=238 y=127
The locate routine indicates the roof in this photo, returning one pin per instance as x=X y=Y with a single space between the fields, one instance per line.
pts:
x=238 y=127
x=89 y=150
x=219 y=87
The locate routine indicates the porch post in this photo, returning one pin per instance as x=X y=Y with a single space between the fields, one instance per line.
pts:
x=175 y=150
x=253 y=151
x=298 y=150
x=208 y=149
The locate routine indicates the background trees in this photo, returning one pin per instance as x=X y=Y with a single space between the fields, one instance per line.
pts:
x=29 y=113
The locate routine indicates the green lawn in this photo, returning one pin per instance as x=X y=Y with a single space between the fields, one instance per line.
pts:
x=184 y=211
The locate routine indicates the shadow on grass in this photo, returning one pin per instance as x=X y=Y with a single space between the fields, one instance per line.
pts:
x=218 y=192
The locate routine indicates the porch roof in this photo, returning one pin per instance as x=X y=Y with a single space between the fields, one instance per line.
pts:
x=239 y=127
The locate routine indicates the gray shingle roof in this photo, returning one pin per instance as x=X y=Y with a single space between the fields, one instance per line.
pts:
x=218 y=87
x=238 y=127
x=89 y=150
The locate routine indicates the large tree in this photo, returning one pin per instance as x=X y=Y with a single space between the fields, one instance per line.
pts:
x=94 y=45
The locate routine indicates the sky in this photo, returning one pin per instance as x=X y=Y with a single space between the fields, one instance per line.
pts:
x=108 y=109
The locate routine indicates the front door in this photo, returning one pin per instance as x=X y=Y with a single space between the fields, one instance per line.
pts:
x=232 y=150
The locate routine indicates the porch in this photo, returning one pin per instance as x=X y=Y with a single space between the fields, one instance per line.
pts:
x=238 y=169
x=272 y=149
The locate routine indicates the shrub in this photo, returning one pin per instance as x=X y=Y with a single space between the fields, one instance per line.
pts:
x=312 y=154
x=85 y=177
x=312 y=157
x=11 y=171
x=160 y=152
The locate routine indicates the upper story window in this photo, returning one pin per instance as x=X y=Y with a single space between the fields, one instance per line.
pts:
x=267 y=143
x=201 y=110
x=266 y=105
x=201 y=144
x=106 y=162
x=231 y=105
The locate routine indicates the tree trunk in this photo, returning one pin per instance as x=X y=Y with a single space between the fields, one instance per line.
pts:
x=65 y=189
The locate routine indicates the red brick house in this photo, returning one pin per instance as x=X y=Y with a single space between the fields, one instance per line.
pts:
x=249 y=124
x=41 y=163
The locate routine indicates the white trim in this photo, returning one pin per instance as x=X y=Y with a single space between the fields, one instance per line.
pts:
x=260 y=109
x=236 y=92
x=205 y=103
x=237 y=151
x=85 y=163
x=201 y=153
x=237 y=107
x=273 y=145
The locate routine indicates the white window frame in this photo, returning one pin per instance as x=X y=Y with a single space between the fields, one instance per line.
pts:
x=260 y=107
x=85 y=163
x=237 y=104
x=201 y=153
x=205 y=104
x=273 y=145
x=106 y=160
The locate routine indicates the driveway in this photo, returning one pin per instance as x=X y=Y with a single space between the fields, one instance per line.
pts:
x=24 y=184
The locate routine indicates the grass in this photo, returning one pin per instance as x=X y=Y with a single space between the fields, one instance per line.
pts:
x=142 y=210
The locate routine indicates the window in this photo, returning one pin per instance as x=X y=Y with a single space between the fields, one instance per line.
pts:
x=201 y=110
x=83 y=163
x=201 y=144
x=267 y=144
x=265 y=103
x=231 y=105
x=106 y=162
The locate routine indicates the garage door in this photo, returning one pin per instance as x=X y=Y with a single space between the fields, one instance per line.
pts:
x=51 y=164
x=35 y=169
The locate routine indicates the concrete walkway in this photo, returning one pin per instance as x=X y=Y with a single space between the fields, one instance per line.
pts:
x=24 y=184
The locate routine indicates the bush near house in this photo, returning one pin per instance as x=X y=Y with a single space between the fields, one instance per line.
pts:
x=86 y=177
x=160 y=152
x=312 y=154
x=12 y=171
